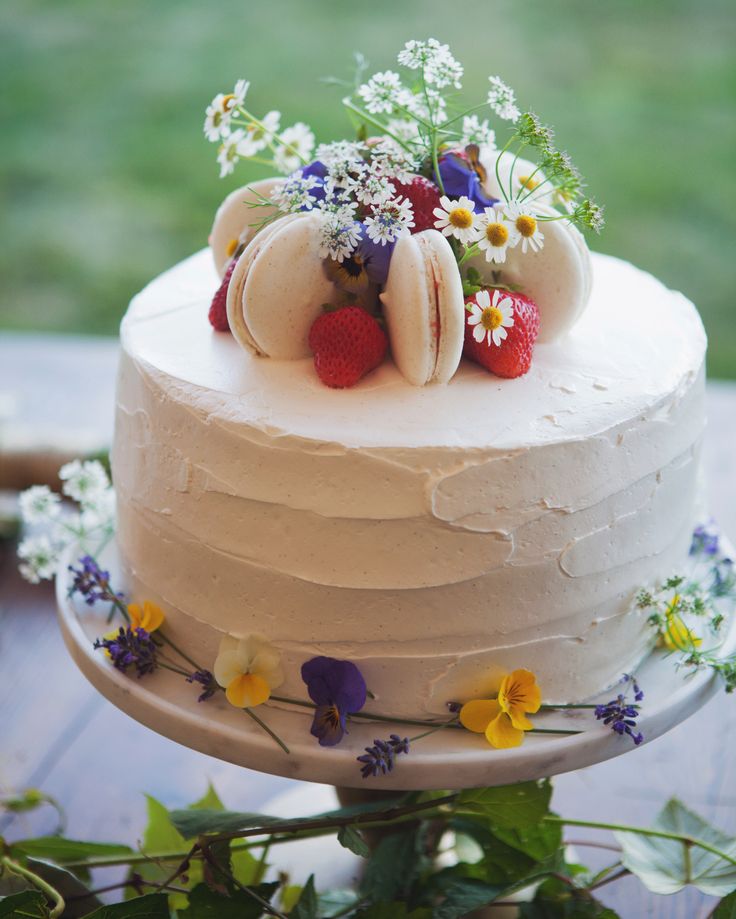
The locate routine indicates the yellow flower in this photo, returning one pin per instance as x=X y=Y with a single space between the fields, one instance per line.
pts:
x=248 y=669
x=503 y=720
x=677 y=636
x=150 y=618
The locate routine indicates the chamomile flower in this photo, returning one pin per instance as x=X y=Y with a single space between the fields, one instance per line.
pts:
x=490 y=318
x=259 y=135
x=382 y=93
x=502 y=100
x=478 y=132
x=217 y=119
x=495 y=234
x=296 y=144
x=456 y=218
x=237 y=97
x=229 y=154
x=390 y=220
x=525 y=226
x=39 y=504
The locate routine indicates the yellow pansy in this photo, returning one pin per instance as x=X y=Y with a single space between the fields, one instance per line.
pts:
x=248 y=669
x=677 y=636
x=503 y=720
x=150 y=617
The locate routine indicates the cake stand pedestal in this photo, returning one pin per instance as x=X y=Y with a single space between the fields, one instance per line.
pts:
x=166 y=703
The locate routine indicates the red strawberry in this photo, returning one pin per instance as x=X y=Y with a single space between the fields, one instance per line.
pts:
x=513 y=357
x=347 y=343
x=218 y=307
x=425 y=197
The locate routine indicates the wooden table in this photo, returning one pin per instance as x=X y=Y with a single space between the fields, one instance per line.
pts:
x=56 y=733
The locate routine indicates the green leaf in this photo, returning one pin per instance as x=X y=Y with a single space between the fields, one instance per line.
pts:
x=209 y=801
x=392 y=867
x=726 y=909
x=150 y=906
x=336 y=902
x=245 y=867
x=463 y=895
x=538 y=842
x=193 y=823
x=665 y=866
x=394 y=910
x=351 y=839
x=28 y=904
x=514 y=806
x=162 y=836
x=79 y=900
x=206 y=904
x=60 y=850
x=306 y=907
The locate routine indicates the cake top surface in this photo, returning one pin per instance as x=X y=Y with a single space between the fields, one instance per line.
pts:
x=635 y=344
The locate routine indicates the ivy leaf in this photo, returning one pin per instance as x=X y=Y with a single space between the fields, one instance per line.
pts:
x=539 y=842
x=514 y=806
x=60 y=850
x=462 y=895
x=665 y=866
x=210 y=800
x=394 y=910
x=28 y=904
x=336 y=902
x=79 y=900
x=351 y=839
x=205 y=904
x=193 y=823
x=150 y=906
x=726 y=909
x=392 y=867
x=306 y=906
x=556 y=899
x=161 y=835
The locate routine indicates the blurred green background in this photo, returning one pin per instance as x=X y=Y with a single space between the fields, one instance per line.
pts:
x=106 y=178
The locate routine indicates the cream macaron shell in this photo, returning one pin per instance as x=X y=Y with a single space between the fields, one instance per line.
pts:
x=237 y=220
x=278 y=288
x=557 y=278
x=424 y=308
x=522 y=170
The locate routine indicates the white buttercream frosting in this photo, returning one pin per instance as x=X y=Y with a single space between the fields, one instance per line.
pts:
x=437 y=536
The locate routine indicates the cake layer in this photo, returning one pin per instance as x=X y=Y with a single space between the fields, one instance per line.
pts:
x=438 y=536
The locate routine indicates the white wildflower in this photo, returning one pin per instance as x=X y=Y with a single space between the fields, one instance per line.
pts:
x=85 y=482
x=39 y=504
x=478 y=132
x=294 y=195
x=382 y=93
x=390 y=220
x=39 y=558
x=296 y=145
x=502 y=100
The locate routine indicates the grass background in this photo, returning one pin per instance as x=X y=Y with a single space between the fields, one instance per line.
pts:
x=106 y=179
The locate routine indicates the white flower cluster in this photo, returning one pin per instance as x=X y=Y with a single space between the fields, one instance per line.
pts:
x=502 y=100
x=93 y=520
x=494 y=231
x=241 y=135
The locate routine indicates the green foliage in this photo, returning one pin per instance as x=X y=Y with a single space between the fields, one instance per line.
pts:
x=395 y=910
x=28 y=904
x=726 y=909
x=394 y=865
x=516 y=806
x=667 y=865
x=461 y=895
x=193 y=823
x=61 y=850
x=349 y=837
x=149 y=906
x=306 y=906
x=205 y=903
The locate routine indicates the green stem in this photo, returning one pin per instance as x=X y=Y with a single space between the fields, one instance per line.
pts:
x=447 y=724
x=350 y=105
x=38 y=882
x=567 y=705
x=367 y=716
x=267 y=729
x=553 y=731
x=178 y=650
x=469 y=253
x=268 y=135
x=498 y=160
x=642 y=831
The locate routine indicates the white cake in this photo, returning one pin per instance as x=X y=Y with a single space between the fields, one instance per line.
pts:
x=438 y=537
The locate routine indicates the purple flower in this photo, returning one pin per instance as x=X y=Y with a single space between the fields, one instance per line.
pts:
x=379 y=759
x=207 y=681
x=131 y=648
x=458 y=178
x=318 y=170
x=368 y=263
x=705 y=540
x=91 y=582
x=619 y=714
x=338 y=689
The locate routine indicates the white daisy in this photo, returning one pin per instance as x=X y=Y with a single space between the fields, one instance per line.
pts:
x=525 y=226
x=229 y=154
x=39 y=504
x=237 y=96
x=390 y=220
x=491 y=317
x=216 y=119
x=495 y=234
x=502 y=100
x=456 y=218
x=259 y=136
x=382 y=93
x=478 y=132
x=296 y=144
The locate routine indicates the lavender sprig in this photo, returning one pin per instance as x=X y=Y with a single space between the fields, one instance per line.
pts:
x=380 y=758
x=92 y=583
x=619 y=714
x=131 y=648
x=207 y=681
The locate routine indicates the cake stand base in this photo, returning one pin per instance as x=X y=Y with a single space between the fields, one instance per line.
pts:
x=166 y=703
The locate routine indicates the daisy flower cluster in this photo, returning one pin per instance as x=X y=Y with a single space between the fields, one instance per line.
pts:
x=53 y=527
x=241 y=135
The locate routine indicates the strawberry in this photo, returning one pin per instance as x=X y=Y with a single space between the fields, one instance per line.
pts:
x=513 y=357
x=218 y=307
x=347 y=343
x=425 y=197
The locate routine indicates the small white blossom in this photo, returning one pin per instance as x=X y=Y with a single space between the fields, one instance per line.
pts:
x=85 y=482
x=416 y=103
x=434 y=59
x=525 y=226
x=39 y=558
x=294 y=194
x=495 y=234
x=478 y=132
x=390 y=220
x=259 y=136
x=382 y=93
x=502 y=100
x=296 y=144
x=391 y=161
x=237 y=97
x=405 y=129
x=339 y=233
x=490 y=318
x=374 y=189
x=456 y=218
x=39 y=504
x=216 y=119
x=340 y=151
x=228 y=154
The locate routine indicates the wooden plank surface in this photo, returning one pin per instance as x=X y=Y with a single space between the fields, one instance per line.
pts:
x=57 y=734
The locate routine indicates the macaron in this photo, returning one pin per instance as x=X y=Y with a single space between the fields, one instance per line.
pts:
x=424 y=308
x=524 y=173
x=238 y=219
x=278 y=287
x=558 y=277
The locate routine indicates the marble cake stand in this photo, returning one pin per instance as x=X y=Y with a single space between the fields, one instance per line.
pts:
x=166 y=703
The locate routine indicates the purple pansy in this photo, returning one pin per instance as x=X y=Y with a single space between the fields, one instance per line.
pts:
x=338 y=689
x=459 y=178
x=318 y=170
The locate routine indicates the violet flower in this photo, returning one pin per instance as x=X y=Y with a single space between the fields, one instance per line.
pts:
x=459 y=178
x=207 y=681
x=380 y=758
x=318 y=170
x=621 y=715
x=338 y=689
x=92 y=583
x=131 y=648
x=705 y=540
